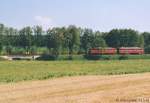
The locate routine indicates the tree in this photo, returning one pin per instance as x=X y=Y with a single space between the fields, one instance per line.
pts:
x=146 y=36
x=122 y=38
x=98 y=41
x=48 y=43
x=2 y=29
x=8 y=49
x=10 y=37
x=141 y=41
x=72 y=38
x=54 y=40
x=1 y=48
x=87 y=39
x=38 y=36
x=1 y=36
x=26 y=38
x=69 y=38
x=147 y=49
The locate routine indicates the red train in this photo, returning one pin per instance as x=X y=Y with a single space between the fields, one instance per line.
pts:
x=97 y=51
x=131 y=50
x=112 y=51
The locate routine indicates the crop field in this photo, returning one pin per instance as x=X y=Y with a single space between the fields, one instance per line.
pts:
x=91 y=81
x=14 y=71
x=80 y=89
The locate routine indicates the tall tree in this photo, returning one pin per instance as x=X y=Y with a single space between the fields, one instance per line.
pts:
x=98 y=40
x=2 y=30
x=146 y=36
x=1 y=48
x=10 y=37
x=38 y=36
x=122 y=38
x=26 y=38
x=54 y=40
x=87 y=39
x=141 y=41
x=72 y=38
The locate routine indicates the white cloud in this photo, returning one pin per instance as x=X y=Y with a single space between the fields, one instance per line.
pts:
x=44 y=21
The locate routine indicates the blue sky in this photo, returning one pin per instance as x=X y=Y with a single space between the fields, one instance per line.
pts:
x=102 y=15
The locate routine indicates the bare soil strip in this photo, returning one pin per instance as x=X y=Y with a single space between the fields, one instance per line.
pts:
x=84 y=89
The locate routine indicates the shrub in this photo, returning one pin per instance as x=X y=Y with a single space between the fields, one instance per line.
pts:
x=1 y=48
x=147 y=49
x=47 y=57
x=16 y=58
x=42 y=50
x=27 y=59
x=33 y=50
x=8 y=49
x=70 y=57
x=106 y=57
x=18 y=51
x=123 y=57
x=92 y=57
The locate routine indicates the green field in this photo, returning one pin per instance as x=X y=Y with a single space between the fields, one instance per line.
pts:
x=14 y=71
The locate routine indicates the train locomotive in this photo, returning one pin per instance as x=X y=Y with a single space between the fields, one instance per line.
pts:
x=113 y=51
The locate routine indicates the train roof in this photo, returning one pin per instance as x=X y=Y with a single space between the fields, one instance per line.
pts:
x=131 y=48
x=103 y=48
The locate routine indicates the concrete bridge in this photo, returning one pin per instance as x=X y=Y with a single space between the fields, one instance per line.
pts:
x=20 y=57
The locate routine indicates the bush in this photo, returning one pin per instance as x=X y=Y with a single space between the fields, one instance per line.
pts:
x=70 y=57
x=74 y=57
x=16 y=58
x=1 y=48
x=42 y=50
x=147 y=49
x=106 y=57
x=18 y=51
x=101 y=57
x=27 y=59
x=33 y=50
x=123 y=57
x=47 y=57
x=144 y=56
x=92 y=57
x=8 y=49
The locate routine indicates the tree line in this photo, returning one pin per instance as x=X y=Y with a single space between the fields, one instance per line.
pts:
x=67 y=40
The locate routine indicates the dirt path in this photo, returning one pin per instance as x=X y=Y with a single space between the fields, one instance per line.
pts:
x=84 y=89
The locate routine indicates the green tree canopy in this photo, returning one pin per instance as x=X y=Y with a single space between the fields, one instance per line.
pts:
x=87 y=39
x=122 y=38
x=72 y=38
x=98 y=40
x=26 y=38
x=54 y=40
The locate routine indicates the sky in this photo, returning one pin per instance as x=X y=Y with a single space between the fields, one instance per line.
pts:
x=102 y=15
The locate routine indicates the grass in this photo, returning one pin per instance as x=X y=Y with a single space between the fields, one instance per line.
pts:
x=105 y=57
x=14 y=71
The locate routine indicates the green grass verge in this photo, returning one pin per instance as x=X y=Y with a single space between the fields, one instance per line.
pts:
x=14 y=71
x=105 y=57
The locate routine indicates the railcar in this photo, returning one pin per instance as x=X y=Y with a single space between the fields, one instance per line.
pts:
x=131 y=50
x=103 y=51
x=121 y=51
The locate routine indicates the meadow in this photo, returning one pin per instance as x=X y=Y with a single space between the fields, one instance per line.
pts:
x=14 y=71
